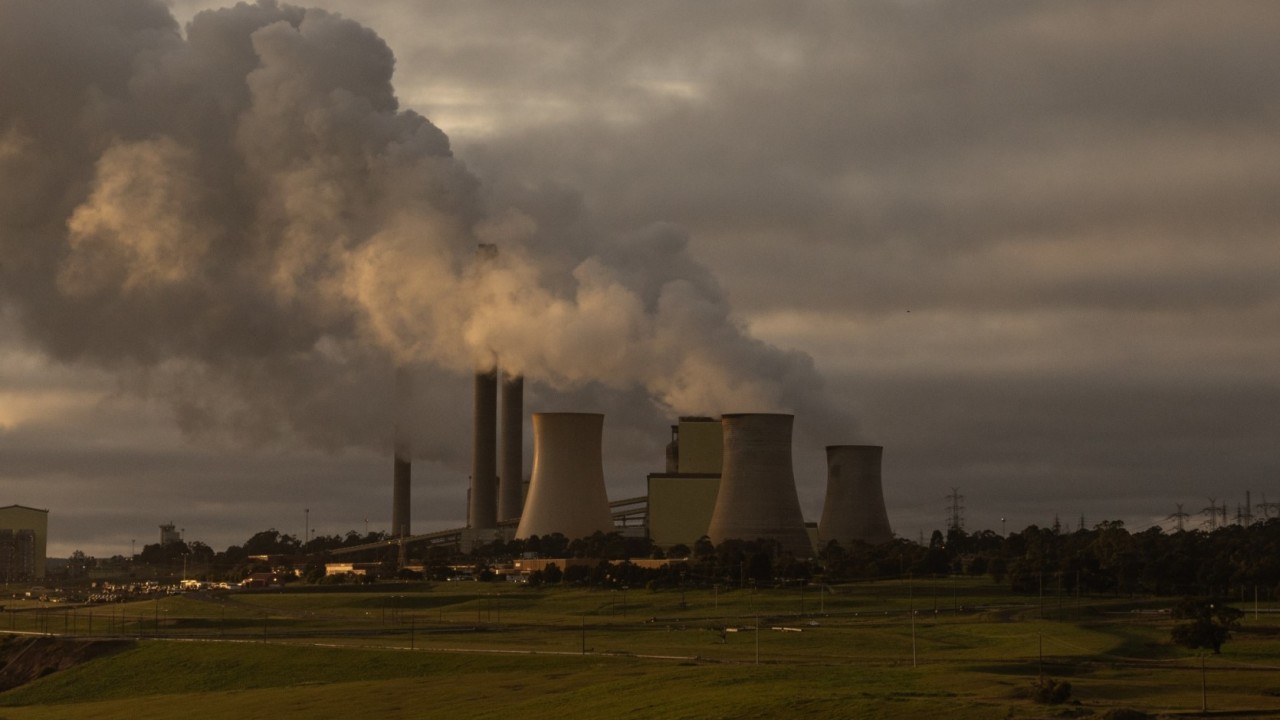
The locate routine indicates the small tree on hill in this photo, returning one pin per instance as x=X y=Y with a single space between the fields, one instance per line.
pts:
x=1208 y=623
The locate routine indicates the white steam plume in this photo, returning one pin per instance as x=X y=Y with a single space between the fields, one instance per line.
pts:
x=243 y=211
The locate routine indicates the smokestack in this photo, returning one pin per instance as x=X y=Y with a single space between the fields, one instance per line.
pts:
x=402 y=451
x=566 y=492
x=854 y=508
x=511 y=471
x=483 y=512
x=757 y=496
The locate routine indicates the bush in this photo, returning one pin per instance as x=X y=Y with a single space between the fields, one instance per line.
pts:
x=1209 y=623
x=1048 y=691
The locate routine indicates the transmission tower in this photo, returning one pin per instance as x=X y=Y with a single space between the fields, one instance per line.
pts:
x=1267 y=507
x=1248 y=509
x=1212 y=513
x=955 y=511
x=1179 y=518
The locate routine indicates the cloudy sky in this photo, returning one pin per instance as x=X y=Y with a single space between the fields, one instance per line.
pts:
x=1028 y=247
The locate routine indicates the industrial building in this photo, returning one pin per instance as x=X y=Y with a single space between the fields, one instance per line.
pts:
x=854 y=507
x=169 y=534
x=757 y=496
x=682 y=499
x=566 y=490
x=726 y=478
x=24 y=537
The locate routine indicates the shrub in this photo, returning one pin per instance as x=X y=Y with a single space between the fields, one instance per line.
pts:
x=1048 y=691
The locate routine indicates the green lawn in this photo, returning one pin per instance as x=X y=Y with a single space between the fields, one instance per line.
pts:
x=869 y=650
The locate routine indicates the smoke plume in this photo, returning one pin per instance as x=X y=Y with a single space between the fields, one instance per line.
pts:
x=239 y=218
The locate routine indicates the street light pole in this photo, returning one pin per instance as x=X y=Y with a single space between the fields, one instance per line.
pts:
x=306 y=527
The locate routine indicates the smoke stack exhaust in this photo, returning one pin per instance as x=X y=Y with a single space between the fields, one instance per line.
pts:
x=511 y=471
x=566 y=492
x=854 y=507
x=757 y=496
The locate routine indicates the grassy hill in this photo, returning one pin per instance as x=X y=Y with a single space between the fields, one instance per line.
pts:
x=958 y=649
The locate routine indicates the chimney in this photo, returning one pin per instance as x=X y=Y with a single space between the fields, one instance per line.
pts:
x=483 y=511
x=854 y=508
x=402 y=452
x=566 y=492
x=757 y=496
x=511 y=471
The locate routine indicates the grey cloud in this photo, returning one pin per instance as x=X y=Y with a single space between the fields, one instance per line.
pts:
x=1074 y=202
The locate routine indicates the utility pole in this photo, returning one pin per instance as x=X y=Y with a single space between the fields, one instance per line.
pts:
x=911 y=610
x=913 y=638
x=757 y=639
x=1040 y=645
x=1204 y=688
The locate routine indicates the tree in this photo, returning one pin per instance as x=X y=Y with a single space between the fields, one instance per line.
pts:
x=1209 y=623
x=552 y=574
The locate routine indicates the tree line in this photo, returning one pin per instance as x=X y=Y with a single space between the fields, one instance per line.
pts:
x=1231 y=561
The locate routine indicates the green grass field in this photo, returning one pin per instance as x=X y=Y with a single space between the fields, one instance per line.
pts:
x=957 y=649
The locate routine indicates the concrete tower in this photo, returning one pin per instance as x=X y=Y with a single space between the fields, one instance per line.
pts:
x=854 y=508
x=402 y=452
x=483 y=513
x=566 y=491
x=511 y=470
x=757 y=496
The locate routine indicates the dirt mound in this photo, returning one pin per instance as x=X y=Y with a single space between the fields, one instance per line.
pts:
x=26 y=658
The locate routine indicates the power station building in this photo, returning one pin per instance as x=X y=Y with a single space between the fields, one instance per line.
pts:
x=854 y=508
x=760 y=499
x=24 y=537
x=725 y=478
x=566 y=490
x=682 y=499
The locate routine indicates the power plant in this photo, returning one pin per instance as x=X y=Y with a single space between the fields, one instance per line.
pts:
x=511 y=471
x=401 y=467
x=726 y=478
x=566 y=489
x=483 y=510
x=757 y=496
x=854 y=507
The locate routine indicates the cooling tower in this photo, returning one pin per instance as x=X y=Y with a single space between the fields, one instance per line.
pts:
x=854 y=508
x=566 y=491
x=757 y=496
x=511 y=470
x=483 y=512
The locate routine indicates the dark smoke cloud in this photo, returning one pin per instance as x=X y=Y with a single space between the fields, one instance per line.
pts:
x=240 y=219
